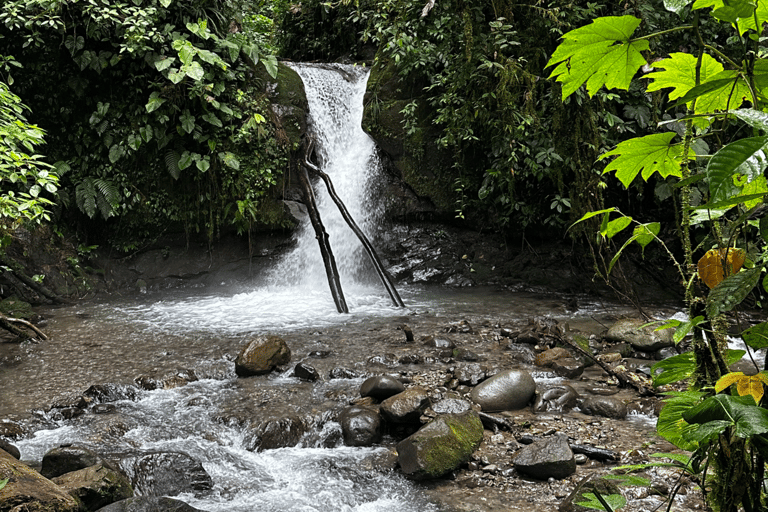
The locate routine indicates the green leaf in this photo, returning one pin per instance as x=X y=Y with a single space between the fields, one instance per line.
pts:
x=649 y=154
x=187 y=121
x=115 y=153
x=270 y=64
x=673 y=369
x=754 y=118
x=724 y=91
x=763 y=227
x=176 y=75
x=731 y=291
x=162 y=63
x=211 y=118
x=756 y=337
x=646 y=233
x=741 y=411
x=748 y=22
x=589 y=215
x=185 y=160
x=230 y=160
x=172 y=159
x=729 y=203
x=679 y=73
x=742 y=157
x=194 y=71
x=628 y=479
x=615 y=501
x=165 y=3
x=676 y=6
x=616 y=226
x=599 y=54
x=671 y=425
x=203 y=164
x=154 y=103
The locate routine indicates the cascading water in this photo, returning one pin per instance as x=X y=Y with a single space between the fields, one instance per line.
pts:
x=347 y=154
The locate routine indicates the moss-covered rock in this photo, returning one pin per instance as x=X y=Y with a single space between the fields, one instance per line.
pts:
x=441 y=445
x=412 y=150
x=289 y=102
x=27 y=490
x=96 y=486
x=16 y=308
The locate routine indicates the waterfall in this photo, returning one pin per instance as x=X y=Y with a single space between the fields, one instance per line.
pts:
x=347 y=154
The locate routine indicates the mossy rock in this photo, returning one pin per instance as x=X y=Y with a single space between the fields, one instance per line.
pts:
x=288 y=99
x=16 y=308
x=441 y=445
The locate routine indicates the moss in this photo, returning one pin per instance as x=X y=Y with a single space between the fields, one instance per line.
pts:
x=447 y=452
x=16 y=308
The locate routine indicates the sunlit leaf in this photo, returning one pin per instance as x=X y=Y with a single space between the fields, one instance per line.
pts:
x=711 y=268
x=615 y=501
x=745 y=384
x=598 y=54
x=649 y=154
x=742 y=411
x=616 y=226
x=745 y=157
x=671 y=425
x=676 y=6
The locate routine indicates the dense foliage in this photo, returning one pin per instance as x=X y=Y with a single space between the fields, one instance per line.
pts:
x=151 y=107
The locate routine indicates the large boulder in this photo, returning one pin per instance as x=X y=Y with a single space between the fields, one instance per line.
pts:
x=406 y=407
x=262 y=355
x=509 y=390
x=95 y=486
x=645 y=339
x=381 y=387
x=549 y=457
x=149 y=504
x=441 y=445
x=360 y=426
x=65 y=459
x=28 y=491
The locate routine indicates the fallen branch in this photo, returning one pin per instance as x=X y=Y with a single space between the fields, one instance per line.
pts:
x=18 y=272
x=7 y=323
x=383 y=275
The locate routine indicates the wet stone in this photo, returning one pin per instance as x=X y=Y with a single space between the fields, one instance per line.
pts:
x=343 y=373
x=149 y=504
x=606 y=406
x=568 y=367
x=319 y=354
x=548 y=357
x=470 y=374
x=451 y=406
x=360 y=426
x=64 y=459
x=410 y=359
x=306 y=372
x=522 y=353
x=103 y=409
x=381 y=387
x=10 y=449
x=438 y=342
x=506 y=391
x=547 y=458
x=262 y=355
x=95 y=486
x=169 y=474
x=276 y=433
x=464 y=354
x=70 y=412
x=558 y=398
x=406 y=407
x=646 y=339
x=388 y=360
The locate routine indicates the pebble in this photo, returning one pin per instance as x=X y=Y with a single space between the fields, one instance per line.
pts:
x=580 y=458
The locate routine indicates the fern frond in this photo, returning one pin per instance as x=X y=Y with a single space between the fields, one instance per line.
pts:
x=172 y=158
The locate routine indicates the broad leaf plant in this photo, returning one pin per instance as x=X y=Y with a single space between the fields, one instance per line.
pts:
x=722 y=419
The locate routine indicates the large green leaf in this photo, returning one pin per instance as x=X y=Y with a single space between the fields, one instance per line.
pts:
x=649 y=154
x=194 y=71
x=187 y=121
x=599 y=54
x=731 y=291
x=679 y=73
x=756 y=337
x=270 y=64
x=671 y=425
x=754 y=118
x=673 y=369
x=741 y=411
x=615 y=226
x=748 y=22
x=745 y=157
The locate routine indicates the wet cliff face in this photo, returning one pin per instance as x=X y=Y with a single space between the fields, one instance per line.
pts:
x=395 y=116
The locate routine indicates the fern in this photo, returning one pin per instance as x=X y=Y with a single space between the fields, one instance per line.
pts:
x=85 y=197
x=97 y=195
x=172 y=158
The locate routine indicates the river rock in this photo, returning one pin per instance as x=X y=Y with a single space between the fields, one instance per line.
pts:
x=10 y=449
x=470 y=374
x=169 y=474
x=568 y=367
x=438 y=342
x=28 y=490
x=343 y=373
x=306 y=372
x=587 y=485
x=646 y=339
x=381 y=387
x=360 y=426
x=95 y=486
x=506 y=391
x=549 y=457
x=559 y=398
x=548 y=357
x=277 y=433
x=10 y=430
x=451 y=406
x=64 y=459
x=405 y=407
x=441 y=445
x=522 y=353
x=149 y=504
x=262 y=355
x=606 y=406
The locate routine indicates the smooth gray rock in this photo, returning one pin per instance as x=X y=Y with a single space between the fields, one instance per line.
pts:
x=262 y=355
x=64 y=459
x=10 y=449
x=646 y=339
x=360 y=426
x=381 y=387
x=405 y=407
x=441 y=445
x=509 y=390
x=606 y=406
x=149 y=504
x=549 y=457
x=95 y=486
x=558 y=398
x=306 y=372
x=568 y=367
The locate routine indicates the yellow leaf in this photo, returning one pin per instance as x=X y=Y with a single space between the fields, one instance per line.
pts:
x=710 y=265
x=728 y=379
x=745 y=384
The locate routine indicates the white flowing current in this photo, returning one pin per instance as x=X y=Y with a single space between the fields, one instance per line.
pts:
x=300 y=479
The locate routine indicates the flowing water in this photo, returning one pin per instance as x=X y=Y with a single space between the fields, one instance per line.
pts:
x=120 y=340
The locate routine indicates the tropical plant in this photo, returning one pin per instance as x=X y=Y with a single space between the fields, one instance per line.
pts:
x=721 y=97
